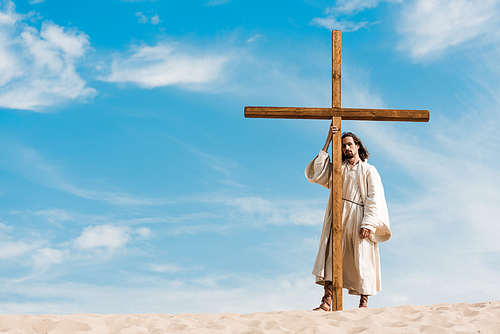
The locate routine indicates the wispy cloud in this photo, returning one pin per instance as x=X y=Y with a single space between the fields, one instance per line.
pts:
x=225 y=167
x=217 y=2
x=430 y=27
x=63 y=218
x=358 y=91
x=334 y=23
x=43 y=258
x=254 y=211
x=5 y=228
x=168 y=296
x=55 y=216
x=352 y=6
x=255 y=37
x=142 y=18
x=291 y=86
x=31 y=165
x=280 y=82
x=341 y=15
x=155 y=19
x=166 y=268
x=12 y=249
x=38 y=68
x=167 y=64
x=30 y=257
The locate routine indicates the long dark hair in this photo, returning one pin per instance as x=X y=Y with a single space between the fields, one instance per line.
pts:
x=362 y=151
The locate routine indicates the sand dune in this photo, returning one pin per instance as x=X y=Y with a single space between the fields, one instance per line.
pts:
x=440 y=318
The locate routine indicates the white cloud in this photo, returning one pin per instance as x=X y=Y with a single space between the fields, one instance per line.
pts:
x=155 y=19
x=164 y=65
x=260 y=211
x=73 y=44
x=61 y=215
x=429 y=27
x=166 y=268
x=142 y=18
x=44 y=257
x=55 y=215
x=8 y=65
x=38 y=68
x=32 y=2
x=108 y=236
x=340 y=16
x=41 y=255
x=12 y=249
x=143 y=232
x=333 y=23
x=8 y=15
x=352 y=6
x=38 y=253
x=255 y=37
x=217 y=2
x=5 y=228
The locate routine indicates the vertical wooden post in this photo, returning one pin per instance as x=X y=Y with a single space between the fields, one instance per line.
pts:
x=336 y=234
x=336 y=70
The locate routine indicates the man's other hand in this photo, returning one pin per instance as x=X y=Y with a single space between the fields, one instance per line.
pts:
x=364 y=232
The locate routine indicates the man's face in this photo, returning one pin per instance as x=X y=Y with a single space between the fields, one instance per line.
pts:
x=349 y=149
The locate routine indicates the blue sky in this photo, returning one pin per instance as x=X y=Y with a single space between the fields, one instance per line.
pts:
x=130 y=181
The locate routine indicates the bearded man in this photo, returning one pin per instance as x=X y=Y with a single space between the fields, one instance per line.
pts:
x=365 y=221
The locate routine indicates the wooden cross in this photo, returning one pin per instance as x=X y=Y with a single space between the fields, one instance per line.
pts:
x=336 y=113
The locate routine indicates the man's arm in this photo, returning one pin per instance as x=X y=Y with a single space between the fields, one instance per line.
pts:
x=333 y=130
x=375 y=218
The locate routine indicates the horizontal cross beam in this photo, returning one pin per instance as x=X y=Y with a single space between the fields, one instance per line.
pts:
x=350 y=114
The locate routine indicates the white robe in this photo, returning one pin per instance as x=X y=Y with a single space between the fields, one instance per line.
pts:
x=361 y=262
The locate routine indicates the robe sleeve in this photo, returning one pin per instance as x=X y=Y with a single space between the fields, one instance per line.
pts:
x=319 y=170
x=376 y=215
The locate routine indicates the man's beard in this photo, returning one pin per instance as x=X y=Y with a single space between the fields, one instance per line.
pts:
x=349 y=155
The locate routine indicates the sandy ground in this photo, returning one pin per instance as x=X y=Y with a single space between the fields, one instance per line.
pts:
x=439 y=318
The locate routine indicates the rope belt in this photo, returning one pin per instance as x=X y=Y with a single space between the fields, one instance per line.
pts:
x=345 y=199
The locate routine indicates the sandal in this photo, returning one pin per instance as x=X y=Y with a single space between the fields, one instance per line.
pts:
x=326 y=300
x=363 y=301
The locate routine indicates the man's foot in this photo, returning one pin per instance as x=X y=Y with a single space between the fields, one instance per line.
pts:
x=326 y=301
x=363 y=301
x=324 y=306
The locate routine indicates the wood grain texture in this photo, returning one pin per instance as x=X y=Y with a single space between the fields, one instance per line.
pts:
x=336 y=69
x=351 y=114
x=336 y=233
